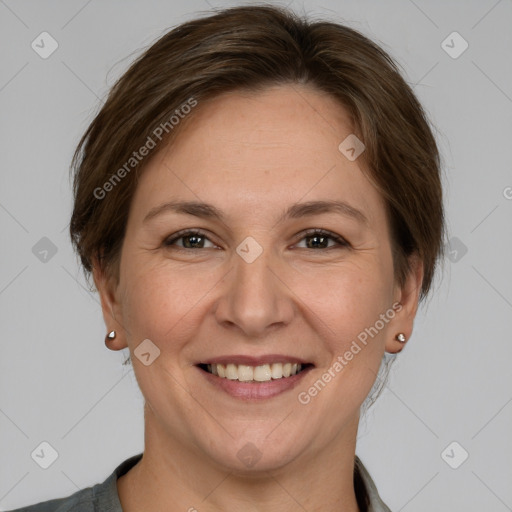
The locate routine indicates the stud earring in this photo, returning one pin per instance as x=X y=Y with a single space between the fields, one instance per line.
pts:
x=400 y=337
x=110 y=336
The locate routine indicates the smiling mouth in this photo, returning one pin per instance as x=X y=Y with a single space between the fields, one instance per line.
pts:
x=255 y=374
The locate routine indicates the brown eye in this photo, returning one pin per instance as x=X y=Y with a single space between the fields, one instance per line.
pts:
x=195 y=239
x=319 y=239
x=190 y=240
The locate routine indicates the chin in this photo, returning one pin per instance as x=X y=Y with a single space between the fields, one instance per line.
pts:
x=257 y=453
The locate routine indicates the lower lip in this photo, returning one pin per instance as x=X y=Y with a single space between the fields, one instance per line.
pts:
x=255 y=390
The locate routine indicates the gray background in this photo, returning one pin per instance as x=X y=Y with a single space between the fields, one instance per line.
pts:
x=58 y=382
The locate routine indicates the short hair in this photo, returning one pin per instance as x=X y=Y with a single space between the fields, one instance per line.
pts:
x=248 y=49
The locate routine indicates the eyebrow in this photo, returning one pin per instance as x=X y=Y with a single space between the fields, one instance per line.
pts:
x=295 y=211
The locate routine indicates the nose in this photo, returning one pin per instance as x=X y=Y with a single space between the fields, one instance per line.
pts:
x=255 y=298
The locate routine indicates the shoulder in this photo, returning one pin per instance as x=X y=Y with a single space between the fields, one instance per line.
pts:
x=102 y=497
x=80 y=501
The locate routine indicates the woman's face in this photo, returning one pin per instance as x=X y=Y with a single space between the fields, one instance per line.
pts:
x=251 y=287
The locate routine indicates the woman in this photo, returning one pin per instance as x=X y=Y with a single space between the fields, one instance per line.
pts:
x=259 y=204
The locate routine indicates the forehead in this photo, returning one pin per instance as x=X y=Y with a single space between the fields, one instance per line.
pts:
x=259 y=151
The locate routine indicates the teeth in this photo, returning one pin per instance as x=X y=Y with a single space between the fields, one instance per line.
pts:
x=277 y=370
x=263 y=373
x=245 y=373
x=231 y=372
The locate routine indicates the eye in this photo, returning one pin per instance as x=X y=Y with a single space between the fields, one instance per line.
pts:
x=192 y=239
x=314 y=239
x=319 y=239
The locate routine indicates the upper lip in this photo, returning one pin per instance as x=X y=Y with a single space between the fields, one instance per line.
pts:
x=254 y=361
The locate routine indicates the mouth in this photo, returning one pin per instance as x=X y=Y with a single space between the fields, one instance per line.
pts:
x=252 y=379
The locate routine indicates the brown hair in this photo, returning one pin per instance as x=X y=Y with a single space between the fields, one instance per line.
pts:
x=249 y=48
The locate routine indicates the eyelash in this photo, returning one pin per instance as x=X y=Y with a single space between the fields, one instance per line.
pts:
x=168 y=242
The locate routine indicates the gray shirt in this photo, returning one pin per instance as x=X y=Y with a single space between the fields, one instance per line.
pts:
x=103 y=497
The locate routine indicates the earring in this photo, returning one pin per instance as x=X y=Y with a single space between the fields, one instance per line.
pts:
x=400 y=337
x=110 y=336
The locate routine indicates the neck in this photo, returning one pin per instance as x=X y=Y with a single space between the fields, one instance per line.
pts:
x=172 y=476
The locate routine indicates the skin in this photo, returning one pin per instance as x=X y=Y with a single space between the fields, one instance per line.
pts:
x=252 y=155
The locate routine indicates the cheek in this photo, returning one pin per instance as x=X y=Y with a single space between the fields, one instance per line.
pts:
x=160 y=301
x=348 y=298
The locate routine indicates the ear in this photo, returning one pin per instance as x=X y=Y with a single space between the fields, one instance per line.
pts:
x=408 y=296
x=110 y=305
